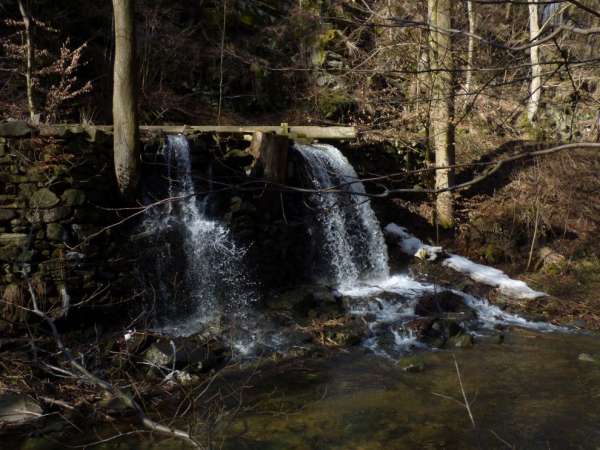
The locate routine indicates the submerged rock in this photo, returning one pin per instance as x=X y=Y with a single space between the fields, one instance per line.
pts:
x=412 y=364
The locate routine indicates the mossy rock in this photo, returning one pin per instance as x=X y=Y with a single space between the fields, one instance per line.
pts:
x=44 y=199
x=48 y=215
x=55 y=231
x=412 y=364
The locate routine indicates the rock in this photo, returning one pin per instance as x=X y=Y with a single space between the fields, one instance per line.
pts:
x=18 y=409
x=412 y=364
x=48 y=215
x=586 y=357
x=55 y=231
x=16 y=239
x=9 y=253
x=442 y=303
x=73 y=197
x=194 y=354
x=44 y=199
x=348 y=332
x=461 y=341
x=238 y=159
x=550 y=260
x=14 y=128
x=181 y=377
x=7 y=214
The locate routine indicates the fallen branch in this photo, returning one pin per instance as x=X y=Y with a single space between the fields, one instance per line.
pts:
x=113 y=390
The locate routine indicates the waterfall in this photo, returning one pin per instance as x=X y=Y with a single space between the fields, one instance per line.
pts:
x=214 y=282
x=353 y=247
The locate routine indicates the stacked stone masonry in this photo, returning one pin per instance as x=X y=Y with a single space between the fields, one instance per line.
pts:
x=57 y=194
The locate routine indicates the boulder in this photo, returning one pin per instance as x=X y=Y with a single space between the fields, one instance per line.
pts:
x=441 y=304
x=193 y=354
x=44 y=199
x=73 y=197
x=16 y=239
x=48 y=215
x=7 y=214
x=18 y=409
x=55 y=231
x=461 y=341
x=15 y=129
x=411 y=364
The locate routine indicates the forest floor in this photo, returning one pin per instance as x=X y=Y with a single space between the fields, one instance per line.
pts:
x=538 y=220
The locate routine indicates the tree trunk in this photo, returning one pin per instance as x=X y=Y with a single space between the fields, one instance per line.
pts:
x=28 y=59
x=442 y=105
x=126 y=146
x=535 y=90
x=471 y=47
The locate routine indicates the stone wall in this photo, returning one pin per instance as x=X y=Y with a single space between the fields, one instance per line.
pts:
x=57 y=194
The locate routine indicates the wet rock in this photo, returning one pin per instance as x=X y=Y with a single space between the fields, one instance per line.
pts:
x=180 y=377
x=434 y=331
x=412 y=364
x=461 y=341
x=348 y=332
x=44 y=199
x=18 y=409
x=14 y=128
x=441 y=302
x=309 y=301
x=194 y=354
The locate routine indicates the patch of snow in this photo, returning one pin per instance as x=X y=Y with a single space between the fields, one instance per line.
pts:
x=412 y=245
x=482 y=274
x=492 y=277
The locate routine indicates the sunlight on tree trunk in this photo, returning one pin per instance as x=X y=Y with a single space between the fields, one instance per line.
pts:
x=442 y=107
x=471 y=47
x=535 y=89
x=28 y=59
x=126 y=149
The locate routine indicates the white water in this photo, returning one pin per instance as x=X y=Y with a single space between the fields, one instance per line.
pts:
x=214 y=279
x=353 y=248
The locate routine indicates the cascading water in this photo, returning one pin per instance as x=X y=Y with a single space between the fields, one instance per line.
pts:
x=214 y=280
x=355 y=255
x=354 y=249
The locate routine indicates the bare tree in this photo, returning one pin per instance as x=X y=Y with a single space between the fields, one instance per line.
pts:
x=28 y=58
x=126 y=146
x=442 y=105
x=535 y=89
x=471 y=46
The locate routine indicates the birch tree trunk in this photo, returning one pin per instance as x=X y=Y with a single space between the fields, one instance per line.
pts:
x=126 y=146
x=535 y=88
x=28 y=59
x=442 y=106
x=471 y=47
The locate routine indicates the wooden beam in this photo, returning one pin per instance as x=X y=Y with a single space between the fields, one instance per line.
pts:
x=293 y=132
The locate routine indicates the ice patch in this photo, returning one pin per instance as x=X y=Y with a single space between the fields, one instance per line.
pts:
x=492 y=277
x=412 y=245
